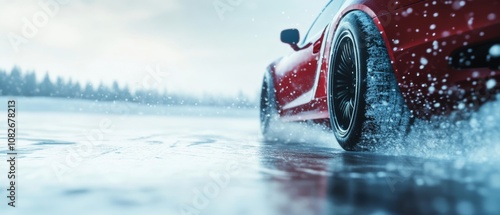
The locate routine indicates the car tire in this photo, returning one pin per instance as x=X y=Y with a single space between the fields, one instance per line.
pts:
x=365 y=104
x=269 y=114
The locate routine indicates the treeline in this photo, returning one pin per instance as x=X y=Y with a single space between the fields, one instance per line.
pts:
x=18 y=83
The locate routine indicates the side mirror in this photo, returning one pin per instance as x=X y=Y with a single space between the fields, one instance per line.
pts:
x=291 y=37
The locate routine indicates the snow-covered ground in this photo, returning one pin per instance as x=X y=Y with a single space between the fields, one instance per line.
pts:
x=81 y=157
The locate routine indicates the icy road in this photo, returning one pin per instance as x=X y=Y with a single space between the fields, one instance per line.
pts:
x=80 y=157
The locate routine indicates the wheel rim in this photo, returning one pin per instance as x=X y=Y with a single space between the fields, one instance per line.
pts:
x=345 y=86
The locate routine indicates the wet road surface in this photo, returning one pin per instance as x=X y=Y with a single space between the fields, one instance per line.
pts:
x=89 y=163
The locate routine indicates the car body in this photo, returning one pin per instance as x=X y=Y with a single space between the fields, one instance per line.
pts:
x=443 y=54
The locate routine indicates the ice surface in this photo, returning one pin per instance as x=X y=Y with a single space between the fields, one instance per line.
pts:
x=71 y=162
x=149 y=161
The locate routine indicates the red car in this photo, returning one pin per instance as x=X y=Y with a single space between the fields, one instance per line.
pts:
x=367 y=68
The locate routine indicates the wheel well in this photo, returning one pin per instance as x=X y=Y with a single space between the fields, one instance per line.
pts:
x=378 y=23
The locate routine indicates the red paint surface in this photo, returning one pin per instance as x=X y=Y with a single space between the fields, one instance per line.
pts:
x=411 y=31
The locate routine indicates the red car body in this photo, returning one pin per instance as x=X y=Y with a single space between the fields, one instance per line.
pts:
x=434 y=48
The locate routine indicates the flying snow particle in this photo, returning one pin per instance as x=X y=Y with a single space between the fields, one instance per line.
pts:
x=492 y=16
x=491 y=83
x=495 y=50
x=432 y=27
x=424 y=61
x=471 y=21
x=407 y=12
x=458 y=4
x=396 y=42
x=461 y=106
x=432 y=89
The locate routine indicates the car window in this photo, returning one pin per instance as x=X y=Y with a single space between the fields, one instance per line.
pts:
x=325 y=17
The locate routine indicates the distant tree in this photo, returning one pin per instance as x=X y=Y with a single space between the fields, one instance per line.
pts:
x=59 y=88
x=88 y=92
x=15 y=82
x=72 y=89
x=30 y=84
x=144 y=96
x=124 y=94
x=3 y=82
x=46 y=87
x=115 y=91
x=76 y=90
x=67 y=89
x=103 y=93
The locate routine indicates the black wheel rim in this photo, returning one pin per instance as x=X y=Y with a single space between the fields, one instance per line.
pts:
x=345 y=86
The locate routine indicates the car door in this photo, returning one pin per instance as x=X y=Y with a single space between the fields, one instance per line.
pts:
x=296 y=73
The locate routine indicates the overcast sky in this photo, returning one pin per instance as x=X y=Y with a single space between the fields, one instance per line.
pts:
x=214 y=46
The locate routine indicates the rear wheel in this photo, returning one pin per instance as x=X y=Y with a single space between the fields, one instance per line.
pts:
x=365 y=104
x=268 y=107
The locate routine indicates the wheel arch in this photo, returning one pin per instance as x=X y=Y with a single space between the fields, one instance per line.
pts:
x=376 y=17
x=270 y=72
